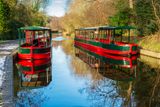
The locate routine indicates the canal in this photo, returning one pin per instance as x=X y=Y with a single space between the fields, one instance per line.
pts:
x=72 y=81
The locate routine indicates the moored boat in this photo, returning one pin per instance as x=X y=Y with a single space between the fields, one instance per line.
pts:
x=107 y=40
x=34 y=42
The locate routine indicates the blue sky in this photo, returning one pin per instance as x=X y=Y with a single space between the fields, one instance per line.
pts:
x=57 y=7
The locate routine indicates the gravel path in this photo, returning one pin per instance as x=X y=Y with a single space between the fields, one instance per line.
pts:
x=6 y=74
x=7 y=47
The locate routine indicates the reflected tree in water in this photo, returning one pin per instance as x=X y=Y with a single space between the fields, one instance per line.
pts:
x=142 y=91
x=30 y=98
x=147 y=93
x=109 y=93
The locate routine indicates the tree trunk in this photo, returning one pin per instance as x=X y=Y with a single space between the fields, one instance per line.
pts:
x=155 y=11
x=131 y=4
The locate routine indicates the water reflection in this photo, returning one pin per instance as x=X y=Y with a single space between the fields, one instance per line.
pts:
x=34 y=66
x=30 y=75
x=95 y=83
x=118 y=86
x=35 y=80
x=106 y=91
x=146 y=87
x=95 y=60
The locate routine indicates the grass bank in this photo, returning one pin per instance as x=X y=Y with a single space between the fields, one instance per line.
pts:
x=151 y=43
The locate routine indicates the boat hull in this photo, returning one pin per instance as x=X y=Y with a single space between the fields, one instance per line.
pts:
x=34 y=53
x=117 y=48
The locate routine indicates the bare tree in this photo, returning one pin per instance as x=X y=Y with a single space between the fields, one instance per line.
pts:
x=156 y=9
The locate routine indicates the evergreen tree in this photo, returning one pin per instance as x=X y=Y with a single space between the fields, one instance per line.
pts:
x=4 y=16
x=145 y=19
x=124 y=14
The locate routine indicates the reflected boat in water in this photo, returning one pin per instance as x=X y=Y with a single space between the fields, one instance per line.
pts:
x=123 y=71
x=119 y=73
x=95 y=59
x=34 y=66
x=36 y=80
x=31 y=75
x=35 y=73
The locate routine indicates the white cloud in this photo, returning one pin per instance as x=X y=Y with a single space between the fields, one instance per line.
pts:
x=57 y=7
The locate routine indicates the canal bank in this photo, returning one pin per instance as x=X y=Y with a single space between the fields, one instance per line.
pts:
x=7 y=49
x=150 y=53
x=7 y=84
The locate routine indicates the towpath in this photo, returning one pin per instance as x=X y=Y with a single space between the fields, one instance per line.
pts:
x=6 y=74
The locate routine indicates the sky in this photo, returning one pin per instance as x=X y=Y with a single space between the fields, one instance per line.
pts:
x=57 y=7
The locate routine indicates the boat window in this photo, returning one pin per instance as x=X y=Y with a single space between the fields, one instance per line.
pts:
x=92 y=35
x=29 y=37
x=36 y=34
x=118 y=35
x=96 y=34
x=124 y=35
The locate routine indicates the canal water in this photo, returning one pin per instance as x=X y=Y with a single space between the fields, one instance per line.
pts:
x=72 y=82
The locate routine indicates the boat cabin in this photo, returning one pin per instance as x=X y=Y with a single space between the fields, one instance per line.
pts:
x=107 y=33
x=34 y=42
x=109 y=40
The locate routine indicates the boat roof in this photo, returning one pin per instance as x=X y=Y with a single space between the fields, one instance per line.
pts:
x=107 y=28
x=116 y=27
x=88 y=28
x=34 y=28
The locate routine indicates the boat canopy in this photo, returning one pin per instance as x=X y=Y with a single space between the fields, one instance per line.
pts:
x=108 y=28
x=33 y=33
x=34 y=28
x=110 y=33
x=125 y=27
x=88 y=28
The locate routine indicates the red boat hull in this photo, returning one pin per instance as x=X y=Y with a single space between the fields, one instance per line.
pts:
x=34 y=52
x=34 y=56
x=110 y=51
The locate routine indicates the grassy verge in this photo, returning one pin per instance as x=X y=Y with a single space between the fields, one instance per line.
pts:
x=151 y=43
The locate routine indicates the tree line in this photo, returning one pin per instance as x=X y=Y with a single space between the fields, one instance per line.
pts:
x=143 y=14
x=18 y=13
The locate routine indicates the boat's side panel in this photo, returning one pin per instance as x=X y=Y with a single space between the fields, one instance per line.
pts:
x=24 y=50
x=30 y=63
x=42 y=50
x=102 y=50
x=27 y=50
x=120 y=49
x=35 y=56
x=38 y=53
x=106 y=46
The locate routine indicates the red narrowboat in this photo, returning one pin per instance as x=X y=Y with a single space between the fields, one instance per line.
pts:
x=108 y=40
x=34 y=42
